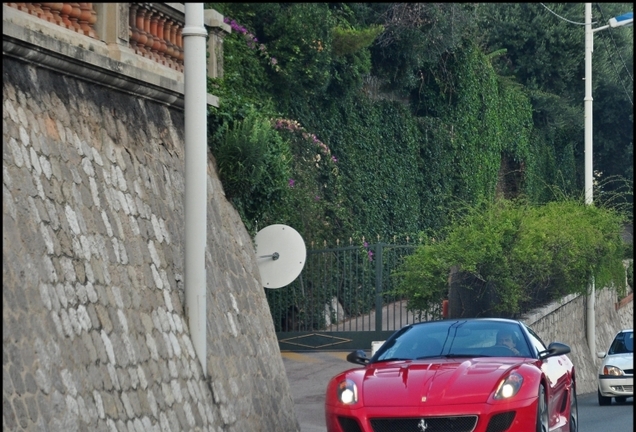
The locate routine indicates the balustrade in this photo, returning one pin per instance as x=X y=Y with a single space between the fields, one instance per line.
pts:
x=79 y=17
x=155 y=35
x=154 y=30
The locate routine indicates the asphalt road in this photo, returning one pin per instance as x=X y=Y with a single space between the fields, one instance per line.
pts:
x=308 y=375
x=309 y=372
x=594 y=418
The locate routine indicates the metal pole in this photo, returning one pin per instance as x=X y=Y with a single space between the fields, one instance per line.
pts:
x=378 y=288
x=194 y=47
x=589 y=48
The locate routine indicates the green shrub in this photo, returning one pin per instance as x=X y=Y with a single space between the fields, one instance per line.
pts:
x=530 y=254
x=253 y=162
x=349 y=41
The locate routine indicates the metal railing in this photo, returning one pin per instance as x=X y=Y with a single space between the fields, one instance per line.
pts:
x=346 y=289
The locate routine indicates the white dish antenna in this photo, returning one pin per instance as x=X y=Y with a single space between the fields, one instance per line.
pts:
x=280 y=255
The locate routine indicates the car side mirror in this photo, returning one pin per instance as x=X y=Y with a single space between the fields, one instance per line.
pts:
x=554 y=349
x=358 y=357
x=601 y=354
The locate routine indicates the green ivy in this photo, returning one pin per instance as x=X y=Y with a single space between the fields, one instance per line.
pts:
x=402 y=173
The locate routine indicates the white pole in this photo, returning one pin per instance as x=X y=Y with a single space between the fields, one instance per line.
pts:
x=194 y=47
x=589 y=48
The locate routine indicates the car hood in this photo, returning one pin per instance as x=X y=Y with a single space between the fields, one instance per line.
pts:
x=623 y=361
x=438 y=381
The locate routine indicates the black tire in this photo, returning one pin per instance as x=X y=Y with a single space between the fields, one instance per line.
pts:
x=542 y=411
x=621 y=399
x=574 y=410
x=603 y=400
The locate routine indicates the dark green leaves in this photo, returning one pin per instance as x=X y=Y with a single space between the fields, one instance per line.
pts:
x=530 y=254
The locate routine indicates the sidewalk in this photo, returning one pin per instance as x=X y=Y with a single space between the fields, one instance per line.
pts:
x=308 y=374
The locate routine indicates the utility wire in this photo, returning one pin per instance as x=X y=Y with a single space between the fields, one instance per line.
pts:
x=564 y=19
x=611 y=57
x=618 y=74
x=615 y=45
x=605 y=45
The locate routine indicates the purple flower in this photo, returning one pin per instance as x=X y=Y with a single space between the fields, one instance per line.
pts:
x=273 y=60
x=317 y=198
x=366 y=245
x=291 y=182
x=370 y=255
x=334 y=159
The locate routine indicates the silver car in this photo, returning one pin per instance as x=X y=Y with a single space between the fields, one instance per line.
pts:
x=616 y=374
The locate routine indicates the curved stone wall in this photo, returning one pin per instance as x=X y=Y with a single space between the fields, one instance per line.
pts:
x=94 y=331
x=565 y=321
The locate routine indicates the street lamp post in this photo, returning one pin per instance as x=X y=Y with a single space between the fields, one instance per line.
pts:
x=621 y=20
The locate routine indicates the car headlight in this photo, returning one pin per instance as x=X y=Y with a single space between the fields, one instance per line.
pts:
x=509 y=386
x=347 y=392
x=612 y=370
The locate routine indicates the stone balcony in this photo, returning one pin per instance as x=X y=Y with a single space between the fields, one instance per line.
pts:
x=135 y=47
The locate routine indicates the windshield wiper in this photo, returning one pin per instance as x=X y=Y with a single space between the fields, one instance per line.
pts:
x=460 y=355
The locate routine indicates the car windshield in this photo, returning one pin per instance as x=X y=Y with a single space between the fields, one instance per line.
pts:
x=456 y=339
x=623 y=343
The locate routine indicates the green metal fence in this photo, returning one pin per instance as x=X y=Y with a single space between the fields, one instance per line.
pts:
x=342 y=299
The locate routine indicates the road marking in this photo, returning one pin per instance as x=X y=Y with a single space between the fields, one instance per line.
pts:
x=313 y=357
x=299 y=357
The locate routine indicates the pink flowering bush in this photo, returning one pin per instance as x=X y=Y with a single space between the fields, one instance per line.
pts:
x=315 y=183
x=296 y=128
x=253 y=43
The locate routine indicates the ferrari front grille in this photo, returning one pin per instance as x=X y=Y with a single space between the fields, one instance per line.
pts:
x=425 y=424
x=501 y=422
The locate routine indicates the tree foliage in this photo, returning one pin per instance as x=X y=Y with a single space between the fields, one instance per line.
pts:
x=530 y=254
x=381 y=119
x=545 y=51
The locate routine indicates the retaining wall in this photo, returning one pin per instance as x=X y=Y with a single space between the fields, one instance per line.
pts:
x=94 y=331
x=565 y=321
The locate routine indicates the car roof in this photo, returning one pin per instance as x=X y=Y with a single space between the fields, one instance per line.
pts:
x=489 y=319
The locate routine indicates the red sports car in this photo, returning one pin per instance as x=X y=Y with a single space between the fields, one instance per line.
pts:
x=457 y=375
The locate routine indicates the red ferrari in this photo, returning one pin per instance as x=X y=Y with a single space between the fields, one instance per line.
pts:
x=458 y=375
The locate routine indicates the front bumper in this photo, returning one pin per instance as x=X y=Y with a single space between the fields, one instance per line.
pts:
x=524 y=410
x=612 y=386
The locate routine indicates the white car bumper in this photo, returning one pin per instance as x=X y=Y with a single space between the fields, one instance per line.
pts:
x=612 y=386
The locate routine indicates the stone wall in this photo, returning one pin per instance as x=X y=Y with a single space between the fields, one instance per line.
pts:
x=565 y=321
x=94 y=331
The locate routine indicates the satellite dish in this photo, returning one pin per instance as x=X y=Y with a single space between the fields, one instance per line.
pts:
x=280 y=255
